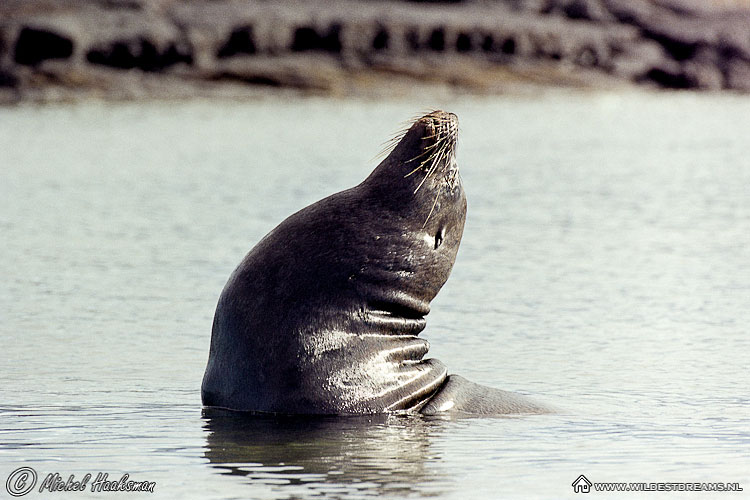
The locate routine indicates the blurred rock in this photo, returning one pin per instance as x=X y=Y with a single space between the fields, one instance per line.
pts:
x=329 y=46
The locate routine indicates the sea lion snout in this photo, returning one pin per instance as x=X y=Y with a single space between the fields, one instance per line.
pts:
x=438 y=135
x=437 y=125
x=440 y=117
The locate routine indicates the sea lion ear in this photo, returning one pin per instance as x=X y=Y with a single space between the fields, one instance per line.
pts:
x=439 y=236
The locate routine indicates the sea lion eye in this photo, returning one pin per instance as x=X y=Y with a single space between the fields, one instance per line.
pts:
x=439 y=238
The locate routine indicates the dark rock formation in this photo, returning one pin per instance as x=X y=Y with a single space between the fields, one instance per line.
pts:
x=139 y=53
x=36 y=45
x=684 y=44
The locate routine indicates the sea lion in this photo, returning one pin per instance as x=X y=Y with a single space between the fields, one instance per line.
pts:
x=322 y=315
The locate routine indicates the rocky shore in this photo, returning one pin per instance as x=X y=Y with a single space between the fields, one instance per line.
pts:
x=55 y=49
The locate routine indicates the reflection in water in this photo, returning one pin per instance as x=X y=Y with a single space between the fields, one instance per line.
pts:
x=372 y=454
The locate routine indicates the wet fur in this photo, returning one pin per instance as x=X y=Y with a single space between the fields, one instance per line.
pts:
x=323 y=315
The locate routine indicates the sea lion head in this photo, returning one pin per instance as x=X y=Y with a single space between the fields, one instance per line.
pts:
x=419 y=182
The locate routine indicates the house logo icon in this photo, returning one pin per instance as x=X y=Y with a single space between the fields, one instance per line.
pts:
x=581 y=485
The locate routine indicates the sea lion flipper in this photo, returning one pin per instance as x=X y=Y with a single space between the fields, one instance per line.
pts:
x=459 y=395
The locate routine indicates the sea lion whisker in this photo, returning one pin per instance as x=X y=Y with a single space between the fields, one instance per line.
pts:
x=415 y=170
x=422 y=164
x=434 y=160
x=420 y=155
x=389 y=145
x=431 y=169
x=433 y=146
x=387 y=148
x=438 y=156
x=437 y=145
x=434 y=203
x=429 y=159
x=420 y=184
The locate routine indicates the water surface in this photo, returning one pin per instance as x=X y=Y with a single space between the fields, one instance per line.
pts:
x=604 y=269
